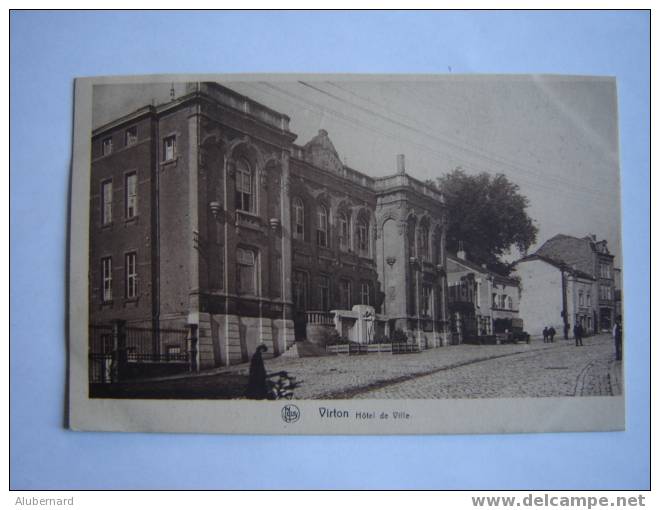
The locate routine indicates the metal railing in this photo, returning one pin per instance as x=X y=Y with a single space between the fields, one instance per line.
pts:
x=117 y=351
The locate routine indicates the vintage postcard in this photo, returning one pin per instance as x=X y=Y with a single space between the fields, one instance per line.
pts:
x=346 y=254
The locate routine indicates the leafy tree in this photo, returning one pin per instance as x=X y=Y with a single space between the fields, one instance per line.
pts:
x=488 y=215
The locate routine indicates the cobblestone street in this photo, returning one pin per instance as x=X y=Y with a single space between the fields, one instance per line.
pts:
x=561 y=370
x=464 y=371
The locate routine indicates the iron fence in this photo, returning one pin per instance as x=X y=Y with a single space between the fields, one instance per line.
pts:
x=118 y=352
x=156 y=345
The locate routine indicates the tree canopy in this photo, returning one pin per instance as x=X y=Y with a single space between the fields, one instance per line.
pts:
x=488 y=215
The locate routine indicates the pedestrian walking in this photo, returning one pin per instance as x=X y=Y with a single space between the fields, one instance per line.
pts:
x=617 y=333
x=257 y=387
x=552 y=333
x=577 y=333
x=545 y=335
x=567 y=330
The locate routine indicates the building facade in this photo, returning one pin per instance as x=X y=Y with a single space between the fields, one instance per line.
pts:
x=204 y=211
x=592 y=257
x=555 y=295
x=481 y=302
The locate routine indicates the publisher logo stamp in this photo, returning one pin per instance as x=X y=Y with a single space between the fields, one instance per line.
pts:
x=290 y=413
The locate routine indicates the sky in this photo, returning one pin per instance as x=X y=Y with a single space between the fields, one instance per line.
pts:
x=556 y=137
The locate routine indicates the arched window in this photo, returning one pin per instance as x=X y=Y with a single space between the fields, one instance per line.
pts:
x=344 y=237
x=410 y=230
x=424 y=242
x=363 y=237
x=298 y=219
x=437 y=246
x=244 y=187
x=322 y=227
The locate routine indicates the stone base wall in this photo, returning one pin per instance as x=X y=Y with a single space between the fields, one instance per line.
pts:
x=230 y=339
x=317 y=332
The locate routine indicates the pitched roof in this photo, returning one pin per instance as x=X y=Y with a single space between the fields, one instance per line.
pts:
x=480 y=269
x=559 y=264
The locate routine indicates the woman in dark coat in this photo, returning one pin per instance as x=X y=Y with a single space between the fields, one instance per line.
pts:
x=257 y=387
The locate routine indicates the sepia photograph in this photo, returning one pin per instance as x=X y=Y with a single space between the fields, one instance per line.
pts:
x=347 y=250
x=420 y=239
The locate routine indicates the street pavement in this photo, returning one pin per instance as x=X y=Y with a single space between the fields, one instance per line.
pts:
x=536 y=369
x=562 y=370
x=462 y=371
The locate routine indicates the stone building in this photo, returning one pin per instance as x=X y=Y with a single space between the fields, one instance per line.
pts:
x=204 y=211
x=592 y=257
x=555 y=294
x=481 y=302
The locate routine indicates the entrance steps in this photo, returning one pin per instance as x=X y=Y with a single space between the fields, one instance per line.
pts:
x=303 y=349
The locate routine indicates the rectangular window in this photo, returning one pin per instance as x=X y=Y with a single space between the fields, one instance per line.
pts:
x=131 y=195
x=131 y=275
x=343 y=232
x=169 y=148
x=277 y=279
x=131 y=137
x=106 y=202
x=106 y=270
x=588 y=299
x=322 y=229
x=324 y=287
x=605 y=293
x=321 y=239
x=300 y=290
x=581 y=299
x=345 y=294
x=427 y=292
x=246 y=273
x=244 y=200
x=106 y=146
x=363 y=239
x=605 y=271
x=365 y=292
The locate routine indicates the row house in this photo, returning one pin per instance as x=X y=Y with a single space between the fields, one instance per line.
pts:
x=554 y=294
x=592 y=257
x=481 y=302
x=204 y=211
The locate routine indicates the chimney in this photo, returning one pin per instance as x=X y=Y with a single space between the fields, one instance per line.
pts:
x=461 y=252
x=401 y=163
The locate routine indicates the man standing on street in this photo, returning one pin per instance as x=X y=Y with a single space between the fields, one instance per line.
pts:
x=545 y=335
x=617 y=333
x=551 y=333
x=577 y=333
